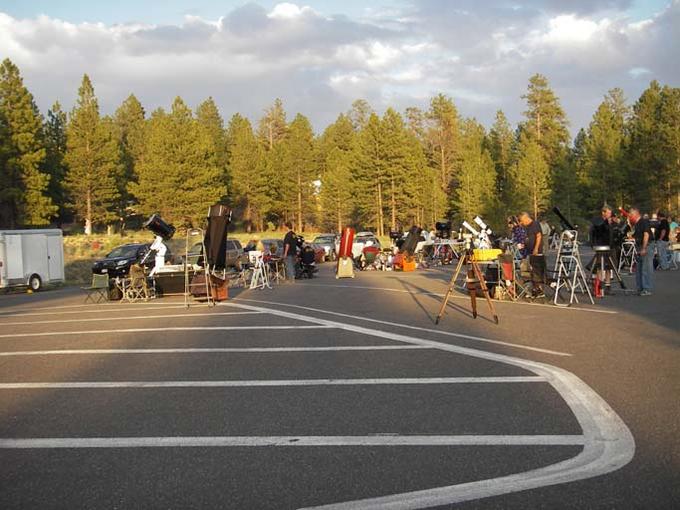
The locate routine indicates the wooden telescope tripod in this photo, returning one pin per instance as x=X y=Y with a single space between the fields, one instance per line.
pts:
x=473 y=277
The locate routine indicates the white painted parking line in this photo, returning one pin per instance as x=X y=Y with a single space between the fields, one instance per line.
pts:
x=270 y=382
x=454 y=296
x=97 y=307
x=127 y=318
x=12 y=315
x=608 y=443
x=288 y=441
x=165 y=329
x=417 y=328
x=226 y=350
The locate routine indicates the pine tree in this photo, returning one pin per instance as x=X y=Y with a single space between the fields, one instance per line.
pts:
x=644 y=151
x=246 y=167
x=334 y=156
x=370 y=175
x=339 y=135
x=209 y=116
x=501 y=145
x=400 y=169
x=94 y=161
x=474 y=189
x=531 y=177
x=415 y=122
x=299 y=170
x=273 y=125
x=54 y=165
x=602 y=173
x=427 y=194
x=24 y=196
x=546 y=122
x=668 y=187
x=336 y=189
x=178 y=174
x=130 y=126
x=443 y=135
x=359 y=114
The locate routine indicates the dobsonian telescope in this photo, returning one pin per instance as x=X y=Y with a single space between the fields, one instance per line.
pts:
x=163 y=232
x=566 y=224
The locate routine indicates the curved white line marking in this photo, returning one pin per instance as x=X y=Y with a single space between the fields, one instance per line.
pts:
x=454 y=296
x=608 y=443
x=418 y=328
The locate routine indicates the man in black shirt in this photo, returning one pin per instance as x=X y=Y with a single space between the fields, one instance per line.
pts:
x=662 y=237
x=644 y=242
x=534 y=249
x=289 y=252
x=601 y=235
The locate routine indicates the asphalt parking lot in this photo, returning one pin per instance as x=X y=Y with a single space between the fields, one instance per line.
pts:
x=339 y=394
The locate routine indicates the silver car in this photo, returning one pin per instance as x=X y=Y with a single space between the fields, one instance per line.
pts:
x=328 y=243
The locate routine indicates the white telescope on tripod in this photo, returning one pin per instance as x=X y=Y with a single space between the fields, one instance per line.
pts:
x=479 y=221
x=472 y=229
x=484 y=239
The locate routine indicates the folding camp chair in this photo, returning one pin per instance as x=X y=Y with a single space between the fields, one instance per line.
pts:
x=137 y=287
x=98 y=290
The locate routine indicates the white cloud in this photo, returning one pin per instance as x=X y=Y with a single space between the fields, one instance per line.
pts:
x=568 y=28
x=288 y=11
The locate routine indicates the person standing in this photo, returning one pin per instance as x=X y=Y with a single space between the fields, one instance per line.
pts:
x=518 y=235
x=662 y=241
x=545 y=235
x=642 y=233
x=601 y=235
x=289 y=250
x=534 y=248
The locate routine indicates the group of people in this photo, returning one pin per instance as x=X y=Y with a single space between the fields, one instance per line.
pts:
x=651 y=234
x=297 y=256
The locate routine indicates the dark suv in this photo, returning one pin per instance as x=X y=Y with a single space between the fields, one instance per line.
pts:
x=118 y=262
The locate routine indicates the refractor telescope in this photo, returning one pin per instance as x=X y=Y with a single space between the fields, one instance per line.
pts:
x=483 y=240
x=472 y=229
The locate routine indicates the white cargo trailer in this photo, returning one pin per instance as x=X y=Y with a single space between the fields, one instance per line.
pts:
x=31 y=258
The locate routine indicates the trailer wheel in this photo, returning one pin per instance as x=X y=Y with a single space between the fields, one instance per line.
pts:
x=34 y=283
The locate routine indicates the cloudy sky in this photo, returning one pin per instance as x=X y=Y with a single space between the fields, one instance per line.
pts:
x=320 y=55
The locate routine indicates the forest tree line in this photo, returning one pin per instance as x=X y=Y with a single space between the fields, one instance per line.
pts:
x=371 y=171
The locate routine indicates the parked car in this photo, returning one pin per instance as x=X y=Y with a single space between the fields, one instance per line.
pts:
x=117 y=263
x=277 y=242
x=363 y=239
x=235 y=255
x=328 y=243
x=319 y=253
